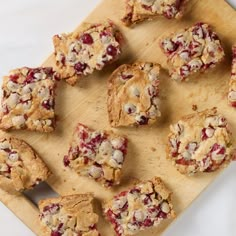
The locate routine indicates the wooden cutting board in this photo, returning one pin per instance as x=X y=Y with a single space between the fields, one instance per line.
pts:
x=86 y=103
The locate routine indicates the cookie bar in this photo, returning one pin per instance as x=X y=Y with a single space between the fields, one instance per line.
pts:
x=133 y=94
x=91 y=48
x=232 y=84
x=141 y=207
x=28 y=99
x=200 y=142
x=20 y=167
x=97 y=154
x=195 y=49
x=68 y=216
x=140 y=10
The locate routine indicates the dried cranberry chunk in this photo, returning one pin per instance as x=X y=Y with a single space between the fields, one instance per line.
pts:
x=66 y=161
x=111 y=50
x=87 y=39
x=80 y=67
x=55 y=233
x=47 y=104
x=14 y=78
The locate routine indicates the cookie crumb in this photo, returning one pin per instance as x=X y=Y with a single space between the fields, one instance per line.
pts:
x=194 y=107
x=153 y=149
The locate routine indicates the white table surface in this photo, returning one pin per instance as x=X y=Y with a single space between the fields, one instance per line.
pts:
x=26 y=28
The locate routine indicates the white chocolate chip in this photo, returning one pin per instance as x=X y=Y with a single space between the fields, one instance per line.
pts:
x=132 y=227
x=18 y=121
x=232 y=96
x=13 y=157
x=134 y=91
x=28 y=88
x=95 y=171
x=139 y=215
x=119 y=203
x=210 y=132
x=12 y=100
x=147 y=2
x=12 y=86
x=130 y=108
x=195 y=64
x=118 y=156
x=117 y=143
x=165 y=207
x=39 y=76
x=186 y=155
x=5 y=145
x=184 y=56
x=105 y=148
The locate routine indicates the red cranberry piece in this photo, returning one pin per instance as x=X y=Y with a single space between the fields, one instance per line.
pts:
x=148 y=222
x=51 y=208
x=14 y=78
x=87 y=39
x=183 y=161
x=30 y=76
x=86 y=160
x=122 y=194
x=66 y=161
x=111 y=50
x=126 y=77
x=162 y=214
x=48 y=70
x=80 y=67
x=233 y=104
x=55 y=233
x=47 y=104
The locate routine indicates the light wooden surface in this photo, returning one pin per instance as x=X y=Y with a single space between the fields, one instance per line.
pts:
x=86 y=103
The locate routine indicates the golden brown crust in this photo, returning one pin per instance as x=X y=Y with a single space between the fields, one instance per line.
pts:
x=200 y=142
x=74 y=213
x=23 y=167
x=133 y=94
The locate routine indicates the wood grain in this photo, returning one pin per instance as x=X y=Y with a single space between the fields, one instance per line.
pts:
x=86 y=103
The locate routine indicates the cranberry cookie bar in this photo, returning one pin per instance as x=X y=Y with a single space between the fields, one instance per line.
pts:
x=232 y=84
x=97 y=154
x=200 y=142
x=28 y=99
x=20 y=167
x=140 y=10
x=68 y=216
x=133 y=94
x=91 y=48
x=145 y=205
x=196 y=49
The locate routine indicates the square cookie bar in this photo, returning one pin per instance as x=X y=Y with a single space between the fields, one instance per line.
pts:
x=140 y=10
x=97 y=154
x=20 y=167
x=232 y=83
x=200 y=142
x=133 y=94
x=145 y=205
x=195 y=49
x=68 y=216
x=28 y=99
x=90 y=48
